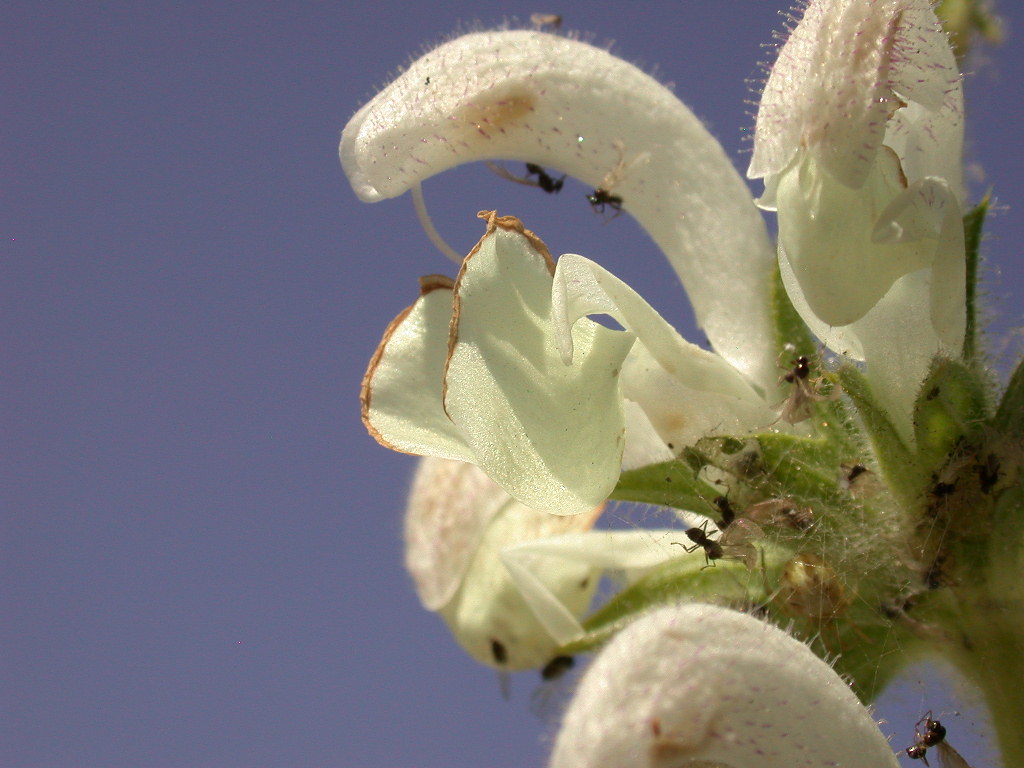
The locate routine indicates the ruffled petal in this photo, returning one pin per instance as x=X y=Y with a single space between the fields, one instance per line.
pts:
x=855 y=74
x=551 y=434
x=683 y=409
x=686 y=392
x=859 y=138
x=545 y=99
x=401 y=396
x=702 y=685
x=450 y=506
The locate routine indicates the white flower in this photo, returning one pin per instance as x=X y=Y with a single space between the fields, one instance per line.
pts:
x=457 y=524
x=503 y=368
x=521 y=382
x=509 y=581
x=702 y=685
x=859 y=140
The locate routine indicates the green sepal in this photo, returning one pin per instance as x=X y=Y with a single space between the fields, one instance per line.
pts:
x=1006 y=559
x=895 y=459
x=668 y=484
x=794 y=339
x=966 y=20
x=987 y=621
x=974 y=222
x=801 y=468
x=1009 y=418
x=951 y=406
x=791 y=333
x=865 y=646
x=683 y=579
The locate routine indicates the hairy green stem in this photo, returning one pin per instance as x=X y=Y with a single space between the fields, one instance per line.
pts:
x=990 y=647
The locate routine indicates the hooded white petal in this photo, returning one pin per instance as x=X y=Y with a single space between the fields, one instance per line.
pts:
x=702 y=685
x=855 y=74
x=450 y=505
x=859 y=138
x=920 y=315
x=535 y=97
x=457 y=523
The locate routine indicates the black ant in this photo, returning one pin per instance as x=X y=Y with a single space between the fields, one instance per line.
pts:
x=858 y=480
x=712 y=549
x=855 y=471
x=599 y=199
x=988 y=473
x=602 y=197
x=728 y=513
x=934 y=736
x=557 y=667
x=498 y=652
x=544 y=180
x=801 y=370
x=734 y=541
x=799 y=405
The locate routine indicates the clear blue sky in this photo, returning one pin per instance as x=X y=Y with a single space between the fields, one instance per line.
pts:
x=200 y=551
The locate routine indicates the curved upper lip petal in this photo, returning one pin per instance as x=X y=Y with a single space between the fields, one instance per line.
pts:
x=560 y=103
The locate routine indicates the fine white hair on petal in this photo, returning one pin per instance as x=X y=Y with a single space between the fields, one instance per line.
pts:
x=699 y=684
x=540 y=98
x=854 y=74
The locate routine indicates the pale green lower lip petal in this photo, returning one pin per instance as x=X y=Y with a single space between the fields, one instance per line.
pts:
x=897 y=362
x=401 y=395
x=928 y=210
x=682 y=414
x=450 y=505
x=576 y=109
x=644 y=445
x=583 y=287
x=699 y=684
x=551 y=434
x=632 y=553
